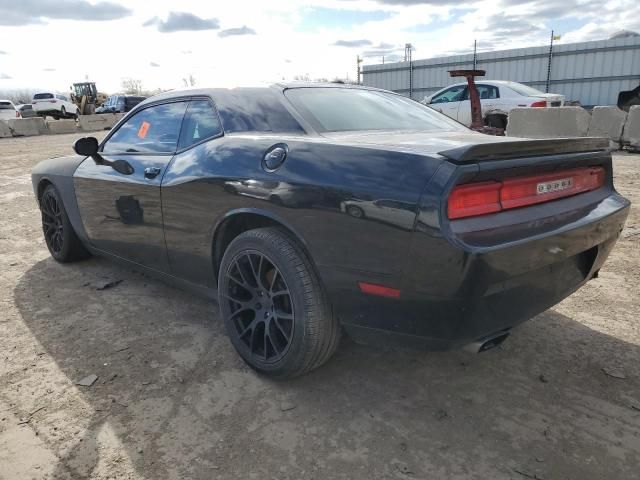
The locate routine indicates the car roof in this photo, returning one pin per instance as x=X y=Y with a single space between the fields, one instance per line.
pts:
x=213 y=92
x=4 y=100
x=480 y=80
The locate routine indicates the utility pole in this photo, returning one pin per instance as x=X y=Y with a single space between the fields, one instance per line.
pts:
x=358 y=62
x=475 y=59
x=407 y=58
x=553 y=37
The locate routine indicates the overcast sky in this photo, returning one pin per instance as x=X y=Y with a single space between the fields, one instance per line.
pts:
x=53 y=43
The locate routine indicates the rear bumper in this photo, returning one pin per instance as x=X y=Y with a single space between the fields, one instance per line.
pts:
x=456 y=294
x=47 y=111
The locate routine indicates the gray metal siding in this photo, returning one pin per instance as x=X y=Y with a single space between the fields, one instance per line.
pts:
x=591 y=72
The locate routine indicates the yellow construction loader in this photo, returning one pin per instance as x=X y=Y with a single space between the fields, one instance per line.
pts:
x=86 y=97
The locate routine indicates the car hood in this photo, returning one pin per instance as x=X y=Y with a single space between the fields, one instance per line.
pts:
x=424 y=143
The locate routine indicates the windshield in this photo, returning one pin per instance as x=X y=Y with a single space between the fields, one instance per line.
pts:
x=6 y=106
x=351 y=109
x=524 y=90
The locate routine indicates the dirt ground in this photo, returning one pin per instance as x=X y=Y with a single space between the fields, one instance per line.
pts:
x=559 y=400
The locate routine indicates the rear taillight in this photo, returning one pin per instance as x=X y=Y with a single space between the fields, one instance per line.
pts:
x=18 y=114
x=475 y=199
x=53 y=101
x=541 y=103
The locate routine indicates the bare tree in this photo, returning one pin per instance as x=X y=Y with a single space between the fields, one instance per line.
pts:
x=18 y=96
x=190 y=81
x=131 y=86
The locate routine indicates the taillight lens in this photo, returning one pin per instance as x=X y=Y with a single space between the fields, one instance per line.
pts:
x=489 y=197
x=541 y=103
x=52 y=101
x=474 y=199
x=18 y=114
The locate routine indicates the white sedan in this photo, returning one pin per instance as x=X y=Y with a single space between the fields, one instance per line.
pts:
x=497 y=97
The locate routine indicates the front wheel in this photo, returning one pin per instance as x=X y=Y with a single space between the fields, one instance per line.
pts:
x=62 y=241
x=273 y=305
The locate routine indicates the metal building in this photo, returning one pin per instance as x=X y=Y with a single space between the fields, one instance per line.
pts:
x=590 y=72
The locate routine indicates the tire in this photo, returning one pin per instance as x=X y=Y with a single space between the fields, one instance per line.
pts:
x=77 y=115
x=282 y=335
x=62 y=241
x=63 y=112
x=355 y=212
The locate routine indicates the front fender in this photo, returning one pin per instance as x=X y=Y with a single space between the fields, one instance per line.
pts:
x=59 y=172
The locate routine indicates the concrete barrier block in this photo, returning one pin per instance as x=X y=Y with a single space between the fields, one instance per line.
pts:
x=26 y=127
x=62 y=126
x=553 y=122
x=103 y=121
x=5 y=131
x=607 y=122
x=631 y=133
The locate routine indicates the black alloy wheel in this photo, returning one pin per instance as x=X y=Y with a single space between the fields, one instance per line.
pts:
x=62 y=241
x=261 y=309
x=273 y=305
x=52 y=223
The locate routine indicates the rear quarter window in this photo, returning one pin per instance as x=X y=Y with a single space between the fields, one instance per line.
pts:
x=42 y=96
x=254 y=110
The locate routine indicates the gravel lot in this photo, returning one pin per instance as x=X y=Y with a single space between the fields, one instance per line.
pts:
x=559 y=400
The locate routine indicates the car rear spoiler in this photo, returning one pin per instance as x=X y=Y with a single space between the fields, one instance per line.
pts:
x=524 y=148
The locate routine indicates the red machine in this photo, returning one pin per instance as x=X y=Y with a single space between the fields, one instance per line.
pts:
x=476 y=107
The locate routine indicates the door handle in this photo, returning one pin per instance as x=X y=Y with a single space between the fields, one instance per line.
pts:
x=151 y=172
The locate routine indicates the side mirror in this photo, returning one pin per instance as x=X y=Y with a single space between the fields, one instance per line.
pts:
x=87 y=146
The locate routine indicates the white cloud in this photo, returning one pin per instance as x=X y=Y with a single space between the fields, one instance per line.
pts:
x=281 y=48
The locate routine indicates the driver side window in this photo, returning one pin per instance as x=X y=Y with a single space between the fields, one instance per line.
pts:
x=453 y=94
x=153 y=130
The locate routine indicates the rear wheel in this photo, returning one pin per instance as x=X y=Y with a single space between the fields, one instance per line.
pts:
x=63 y=112
x=273 y=305
x=62 y=242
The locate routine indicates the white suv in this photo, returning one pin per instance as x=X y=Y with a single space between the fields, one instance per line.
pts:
x=497 y=98
x=8 y=110
x=55 y=105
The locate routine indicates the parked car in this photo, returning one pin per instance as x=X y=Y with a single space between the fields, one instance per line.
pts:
x=8 y=110
x=498 y=98
x=54 y=105
x=26 y=110
x=119 y=103
x=478 y=234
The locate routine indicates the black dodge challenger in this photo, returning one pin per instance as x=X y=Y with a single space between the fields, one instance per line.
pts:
x=311 y=209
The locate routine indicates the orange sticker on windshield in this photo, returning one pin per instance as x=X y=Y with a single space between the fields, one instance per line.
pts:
x=144 y=128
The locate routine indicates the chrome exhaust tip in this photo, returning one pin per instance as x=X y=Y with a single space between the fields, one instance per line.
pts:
x=487 y=343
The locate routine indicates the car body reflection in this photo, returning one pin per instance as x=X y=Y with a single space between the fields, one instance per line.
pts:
x=401 y=214
x=278 y=193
